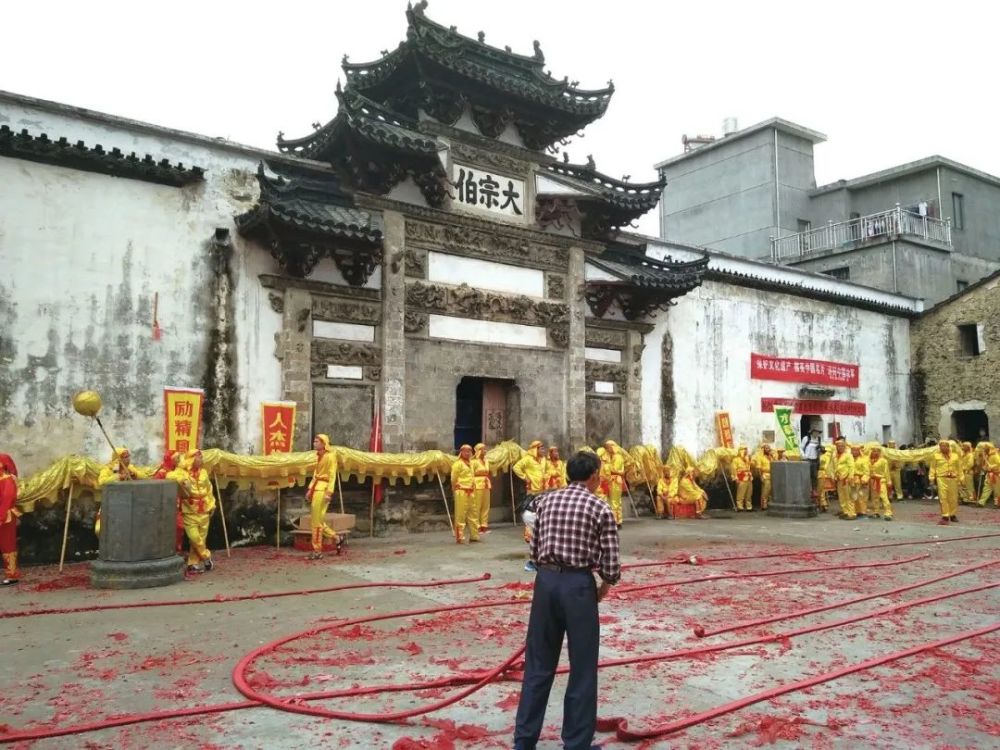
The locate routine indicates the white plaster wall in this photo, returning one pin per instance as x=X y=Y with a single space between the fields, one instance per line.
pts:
x=485 y=274
x=485 y=331
x=716 y=327
x=83 y=255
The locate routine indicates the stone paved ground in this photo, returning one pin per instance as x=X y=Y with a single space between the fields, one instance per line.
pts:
x=65 y=669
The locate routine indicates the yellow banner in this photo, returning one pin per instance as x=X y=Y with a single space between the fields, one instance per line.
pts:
x=182 y=418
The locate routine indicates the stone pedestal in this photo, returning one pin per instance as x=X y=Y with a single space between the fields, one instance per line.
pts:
x=138 y=523
x=791 y=490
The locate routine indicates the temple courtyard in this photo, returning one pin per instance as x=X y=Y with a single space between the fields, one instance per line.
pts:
x=71 y=662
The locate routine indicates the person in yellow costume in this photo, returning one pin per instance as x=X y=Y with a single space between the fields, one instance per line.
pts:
x=991 y=480
x=842 y=470
x=531 y=469
x=484 y=484
x=879 y=484
x=967 y=488
x=860 y=481
x=555 y=470
x=763 y=466
x=825 y=481
x=946 y=471
x=319 y=493
x=666 y=492
x=741 y=473
x=895 y=474
x=197 y=504
x=613 y=476
x=688 y=491
x=463 y=487
x=118 y=469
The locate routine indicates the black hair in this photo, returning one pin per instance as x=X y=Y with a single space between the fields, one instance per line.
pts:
x=582 y=465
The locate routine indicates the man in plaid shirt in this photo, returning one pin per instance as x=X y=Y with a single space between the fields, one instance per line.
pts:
x=575 y=534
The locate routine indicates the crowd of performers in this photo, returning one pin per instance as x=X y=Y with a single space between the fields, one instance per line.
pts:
x=859 y=478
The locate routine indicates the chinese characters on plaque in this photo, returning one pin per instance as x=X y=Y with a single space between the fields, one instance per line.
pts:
x=278 y=426
x=182 y=418
x=480 y=190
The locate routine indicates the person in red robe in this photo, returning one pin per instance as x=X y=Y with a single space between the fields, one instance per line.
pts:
x=8 y=519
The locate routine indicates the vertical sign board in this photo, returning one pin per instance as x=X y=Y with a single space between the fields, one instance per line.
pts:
x=182 y=415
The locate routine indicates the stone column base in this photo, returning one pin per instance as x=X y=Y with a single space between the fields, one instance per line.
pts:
x=136 y=575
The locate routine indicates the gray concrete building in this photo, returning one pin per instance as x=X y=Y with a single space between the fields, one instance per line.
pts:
x=927 y=229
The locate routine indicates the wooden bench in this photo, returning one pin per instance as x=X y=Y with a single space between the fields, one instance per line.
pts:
x=342 y=523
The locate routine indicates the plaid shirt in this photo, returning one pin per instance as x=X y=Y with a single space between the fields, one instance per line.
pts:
x=576 y=529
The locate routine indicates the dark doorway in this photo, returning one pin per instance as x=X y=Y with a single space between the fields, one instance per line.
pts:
x=486 y=410
x=469 y=411
x=810 y=422
x=971 y=425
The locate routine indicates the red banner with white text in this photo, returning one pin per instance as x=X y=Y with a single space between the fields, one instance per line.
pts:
x=816 y=371
x=808 y=406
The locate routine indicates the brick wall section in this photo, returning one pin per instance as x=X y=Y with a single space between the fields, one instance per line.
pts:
x=293 y=348
x=576 y=385
x=945 y=379
x=393 y=336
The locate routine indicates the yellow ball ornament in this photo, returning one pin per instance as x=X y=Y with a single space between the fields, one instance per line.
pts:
x=87 y=403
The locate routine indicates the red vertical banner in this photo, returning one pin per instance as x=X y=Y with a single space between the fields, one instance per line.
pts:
x=182 y=413
x=375 y=443
x=725 y=429
x=277 y=426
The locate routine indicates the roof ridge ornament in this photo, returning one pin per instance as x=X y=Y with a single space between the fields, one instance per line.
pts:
x=539 y=55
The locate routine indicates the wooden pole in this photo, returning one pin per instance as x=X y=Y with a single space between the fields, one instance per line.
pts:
x=513 y=510
x=635 y=510
x=340 y=492
x=222 y=514
x=69 y=507
x=445 y=498
x=652 y=497
x=732 y=499
x=371 y=513
x=277 y=528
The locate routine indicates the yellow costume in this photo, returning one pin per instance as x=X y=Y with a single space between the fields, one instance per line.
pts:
x=118 y=469
x=484 y=484
x=991 y=482
x=613 y=476
x=946 y=470
x=666 y=492
x=197 y=504
x=763 y=466
x=879 y=484
x=555 y=470
x=688 y=491
x=896 y=473
x=463 y=487
x=860 y=478
x=740 y=470
x=825 y=481
x=531 y=469
x=319 y=493
x=967 y=487
x=842 y=469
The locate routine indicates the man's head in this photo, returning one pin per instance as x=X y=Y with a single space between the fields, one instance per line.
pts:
x=465 y=452
x=194 y=458
x=767 y=449
x=479 y=449
x=815 y=433
x=967 y=447
x=609 y=446
x=585 y=468
x=122 y=456
x=553 y=453
x=944 y=446
x=535 y=449
x=321 y=443
x=876 y=453
x=891 y=444
x=742 y=450
x=856 y=450
x=841 y=444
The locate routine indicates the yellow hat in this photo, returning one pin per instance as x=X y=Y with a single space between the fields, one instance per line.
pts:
x=536 y=444
x=464 y=446
x=480 y=445
x=325 y=439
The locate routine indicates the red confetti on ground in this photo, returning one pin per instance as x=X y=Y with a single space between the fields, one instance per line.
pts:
x=458 y=731
x=399 y=552
x=510 y=702
x=64 y=581
x=438 y=742
x=118 y=636
x=771 y=729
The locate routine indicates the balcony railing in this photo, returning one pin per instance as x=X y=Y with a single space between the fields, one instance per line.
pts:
x=874 y=228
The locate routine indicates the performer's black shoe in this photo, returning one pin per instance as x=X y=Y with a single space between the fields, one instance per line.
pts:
x=9 y=582
x=209 y=564
x=954 y=519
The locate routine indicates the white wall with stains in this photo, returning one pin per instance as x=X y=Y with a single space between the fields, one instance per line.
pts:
x=713 y=331
x=82 y=256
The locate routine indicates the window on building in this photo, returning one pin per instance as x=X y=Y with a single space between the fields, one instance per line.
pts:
x=962 y=285
x=958 y=210
x=855 y=215
x=805 y=226
x=970 y=338
x=833 y=430
x=843 y=273
x=886 y=433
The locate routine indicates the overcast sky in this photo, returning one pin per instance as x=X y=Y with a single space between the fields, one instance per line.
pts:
x=887 y=82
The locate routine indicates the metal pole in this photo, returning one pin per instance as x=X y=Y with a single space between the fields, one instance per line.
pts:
x=69 y=507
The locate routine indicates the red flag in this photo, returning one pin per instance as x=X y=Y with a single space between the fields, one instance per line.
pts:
x=375 y=444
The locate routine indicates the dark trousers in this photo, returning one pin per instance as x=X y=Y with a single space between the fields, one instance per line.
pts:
x=563 y=602
x=813 y=471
